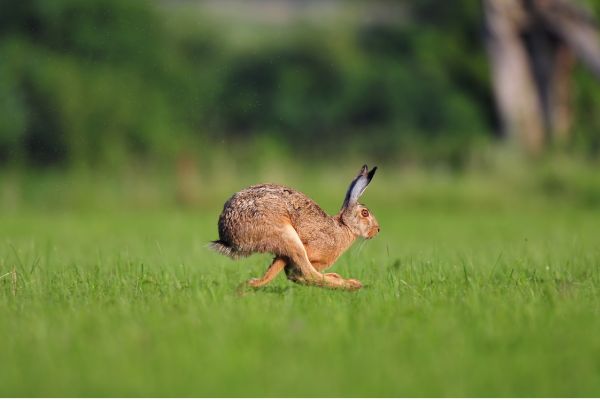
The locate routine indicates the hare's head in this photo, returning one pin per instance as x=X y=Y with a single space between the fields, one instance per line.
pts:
x=354 y=215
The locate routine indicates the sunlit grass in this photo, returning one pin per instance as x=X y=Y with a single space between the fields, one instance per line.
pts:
x=467 y=294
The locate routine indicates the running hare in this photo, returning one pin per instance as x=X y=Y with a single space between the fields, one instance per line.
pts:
x=305 y=240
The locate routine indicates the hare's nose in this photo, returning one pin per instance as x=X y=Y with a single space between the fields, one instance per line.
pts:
x=378 y=229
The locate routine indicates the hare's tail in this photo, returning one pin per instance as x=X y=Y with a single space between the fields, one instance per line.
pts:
x=224 y=248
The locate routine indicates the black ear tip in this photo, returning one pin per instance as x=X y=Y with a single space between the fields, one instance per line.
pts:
x=372 y=172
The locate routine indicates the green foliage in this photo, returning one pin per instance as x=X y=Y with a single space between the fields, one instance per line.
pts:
x=88 y=78
x=97 y=82
x=91 y=83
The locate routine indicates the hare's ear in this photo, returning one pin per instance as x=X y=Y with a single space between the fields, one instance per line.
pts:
x=358 y=186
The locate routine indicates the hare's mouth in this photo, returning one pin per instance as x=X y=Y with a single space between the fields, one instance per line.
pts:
x=372 y=233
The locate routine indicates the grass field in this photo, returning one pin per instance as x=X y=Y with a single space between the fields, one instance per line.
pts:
x=464 y=296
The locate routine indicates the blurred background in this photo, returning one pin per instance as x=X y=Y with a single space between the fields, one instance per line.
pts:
x=126 y=124
x=166 y=101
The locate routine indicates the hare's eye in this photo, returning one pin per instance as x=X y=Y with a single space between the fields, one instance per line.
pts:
x=364 y=213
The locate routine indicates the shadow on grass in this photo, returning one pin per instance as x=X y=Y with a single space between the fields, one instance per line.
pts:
x=244 y=289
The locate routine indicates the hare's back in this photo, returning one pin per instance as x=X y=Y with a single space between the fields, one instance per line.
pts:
x=267 y=200
x=254 y=213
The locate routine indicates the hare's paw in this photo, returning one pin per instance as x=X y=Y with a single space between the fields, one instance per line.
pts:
x=332 y=280
x=254 y=282
x=335 y=281
x=352 y=284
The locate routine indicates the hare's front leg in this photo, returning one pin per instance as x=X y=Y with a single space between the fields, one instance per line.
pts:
x=300 y=269
x=275 y=268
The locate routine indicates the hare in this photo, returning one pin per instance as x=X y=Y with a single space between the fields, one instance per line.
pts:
x=276 y=219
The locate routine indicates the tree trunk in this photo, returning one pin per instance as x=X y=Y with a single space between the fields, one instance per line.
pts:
x=514 y=87
x=532 y=45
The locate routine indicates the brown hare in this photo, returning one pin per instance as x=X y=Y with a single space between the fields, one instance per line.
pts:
x=305 y=240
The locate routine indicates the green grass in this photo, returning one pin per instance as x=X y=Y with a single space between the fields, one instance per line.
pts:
x=461 y=299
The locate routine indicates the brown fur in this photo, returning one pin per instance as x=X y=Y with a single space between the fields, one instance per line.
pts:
x=276 y=219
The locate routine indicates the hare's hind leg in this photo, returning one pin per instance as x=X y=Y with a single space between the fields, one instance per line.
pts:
x=323 y=261
x=300 y=270
x=275 y=268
